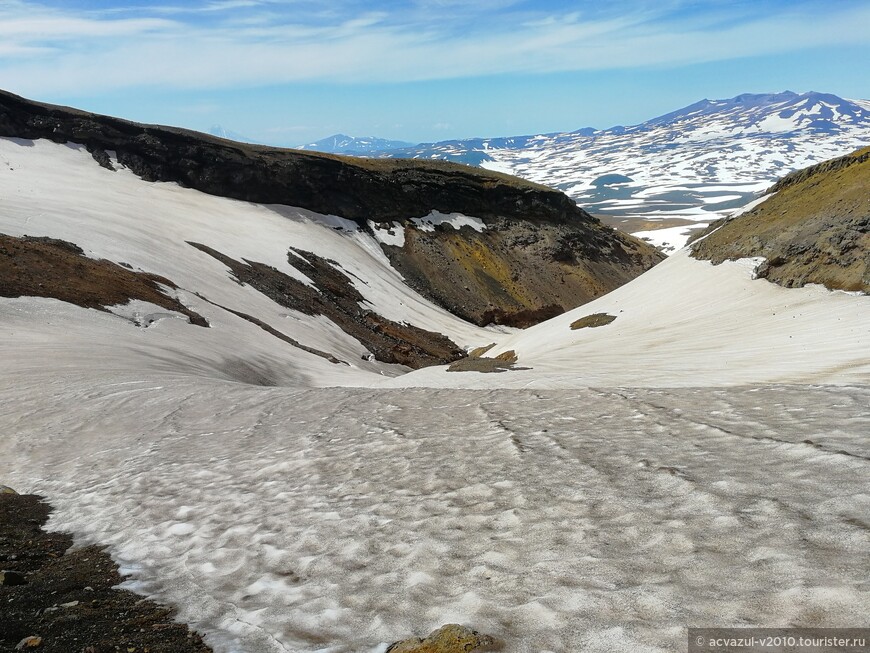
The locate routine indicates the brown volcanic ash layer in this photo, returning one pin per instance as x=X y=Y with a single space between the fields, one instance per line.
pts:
x=539 y=255
x=48 y=267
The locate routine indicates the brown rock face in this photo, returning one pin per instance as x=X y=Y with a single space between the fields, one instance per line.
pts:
x=518 y=273
x=815 y=229
x=451 y=638
x=540 y=254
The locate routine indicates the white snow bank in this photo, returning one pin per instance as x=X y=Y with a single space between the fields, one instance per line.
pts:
x=344 y=519
x=669 y=239
x=455 y=220
x=394 y=234
x=689 y=323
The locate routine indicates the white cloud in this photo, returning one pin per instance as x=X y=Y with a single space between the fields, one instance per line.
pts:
x=49 y=52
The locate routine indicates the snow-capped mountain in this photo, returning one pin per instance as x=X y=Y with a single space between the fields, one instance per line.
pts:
x=220 y=132
x=690 y=166
x=359 y=145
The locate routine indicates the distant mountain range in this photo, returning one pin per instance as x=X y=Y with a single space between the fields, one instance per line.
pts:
x=689 y=166
x=342 y=144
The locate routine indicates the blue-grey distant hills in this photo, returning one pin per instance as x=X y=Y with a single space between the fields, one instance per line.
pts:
x=692 y=165
x=342 y=144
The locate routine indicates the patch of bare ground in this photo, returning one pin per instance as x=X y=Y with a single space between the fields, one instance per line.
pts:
x=47 y=267
x=815 y=229
x=635 y=224
x=64 y=602
x=450 y=638
x=592 y=321
x=335 y=297
x=504 y=362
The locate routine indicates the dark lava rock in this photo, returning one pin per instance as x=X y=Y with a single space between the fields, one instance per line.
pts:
x=354 y=188
x=10 y=578
x=68 y=604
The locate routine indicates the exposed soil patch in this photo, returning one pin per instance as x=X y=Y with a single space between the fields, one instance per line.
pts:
x=450 y=638
x=47 y=267
x=815 y=229
x=504 y=362
x=336 y=298
x=592 y=321
x=634 y=224
x=66 y=601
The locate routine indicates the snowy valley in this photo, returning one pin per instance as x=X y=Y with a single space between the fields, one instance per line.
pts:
x=284 y=478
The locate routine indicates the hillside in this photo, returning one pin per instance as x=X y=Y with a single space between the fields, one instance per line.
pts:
x=538 y=254
x=815 y=228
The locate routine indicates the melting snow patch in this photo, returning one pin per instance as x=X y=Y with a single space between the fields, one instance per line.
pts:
x=392 y=234
x=671 y=239
x=144 y=314
x=455 y=220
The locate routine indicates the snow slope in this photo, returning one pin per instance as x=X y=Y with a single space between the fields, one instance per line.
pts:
x=59 y=191
x=688 y=323
x=335 y=520
x=590 y=508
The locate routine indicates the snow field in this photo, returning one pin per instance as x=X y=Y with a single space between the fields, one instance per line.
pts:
x=685 y=323
x=344 y=519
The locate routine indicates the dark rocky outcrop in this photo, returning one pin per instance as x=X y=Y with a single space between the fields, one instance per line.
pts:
x=334 y=296
x=539 y=255
x=354 y=188
x=67 y=602
x=815 y=229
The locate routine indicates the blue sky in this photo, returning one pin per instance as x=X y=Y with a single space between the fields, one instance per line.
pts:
x=287 y=72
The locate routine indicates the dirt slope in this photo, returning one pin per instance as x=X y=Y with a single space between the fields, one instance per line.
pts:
x=814 y=229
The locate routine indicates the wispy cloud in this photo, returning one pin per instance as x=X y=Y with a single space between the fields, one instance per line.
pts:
x=228 y=43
